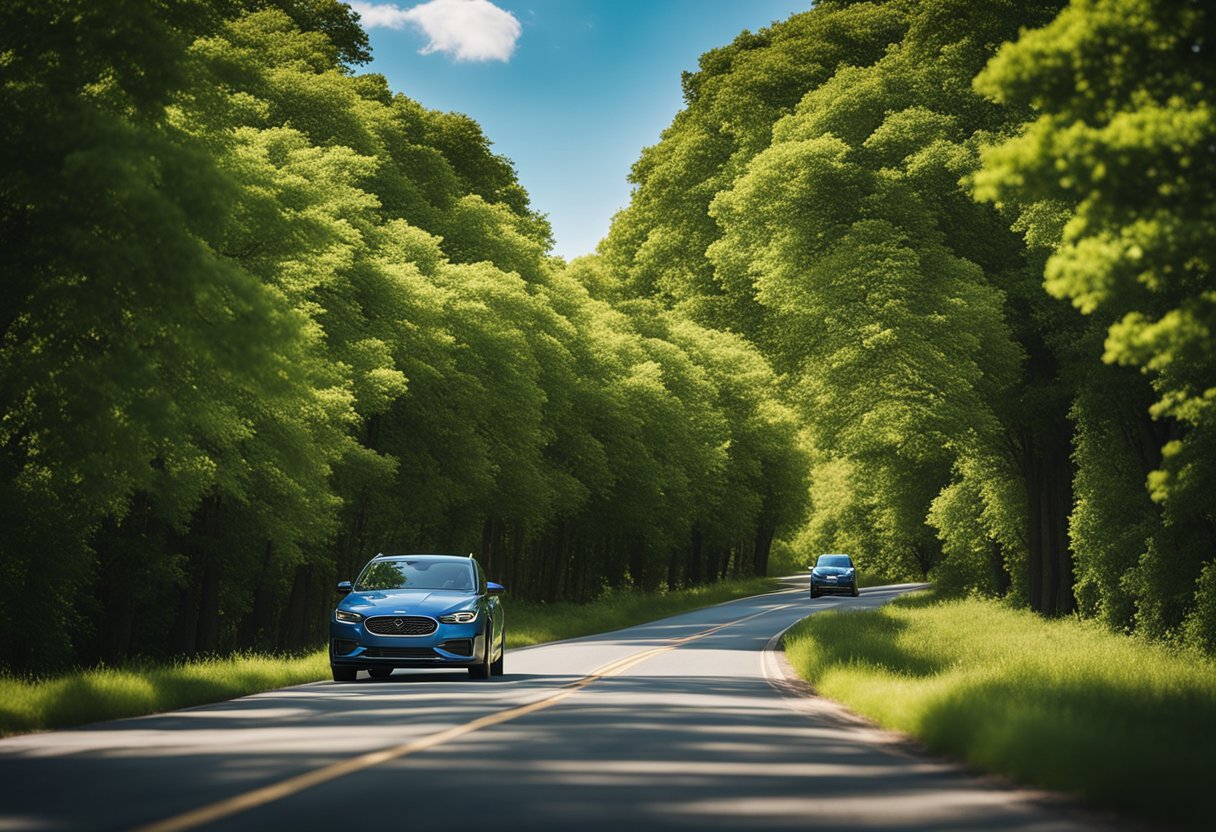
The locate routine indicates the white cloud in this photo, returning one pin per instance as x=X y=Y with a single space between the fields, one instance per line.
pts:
x=380 y=16
x=468 y=30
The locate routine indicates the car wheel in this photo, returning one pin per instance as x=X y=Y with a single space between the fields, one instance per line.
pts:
x=380 y=672
x=856 y=591
x=344 y=674
x=481 y=670
x=496 y=669
x=814 y=594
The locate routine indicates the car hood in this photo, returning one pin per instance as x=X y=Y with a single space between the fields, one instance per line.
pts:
x=432 y=602
x=832 y=570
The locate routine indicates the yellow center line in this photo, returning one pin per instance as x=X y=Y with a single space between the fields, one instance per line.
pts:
x=301 y=782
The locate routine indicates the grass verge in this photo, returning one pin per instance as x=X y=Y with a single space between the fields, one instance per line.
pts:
x=1058 y=704
x=113 y=693
x=869 y=579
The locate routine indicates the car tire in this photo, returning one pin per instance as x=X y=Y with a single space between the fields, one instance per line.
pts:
x=344 y=674
x=497 y=667
x=856 y=591
x=814 y=594
x=481 y=670
x=379 y=672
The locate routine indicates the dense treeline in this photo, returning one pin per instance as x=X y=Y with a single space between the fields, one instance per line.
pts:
x=878 y=193
x=262 y=318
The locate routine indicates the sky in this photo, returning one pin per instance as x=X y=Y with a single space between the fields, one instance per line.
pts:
x=569 y=90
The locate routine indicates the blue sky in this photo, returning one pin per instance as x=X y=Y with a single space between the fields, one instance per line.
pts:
x=570 y=90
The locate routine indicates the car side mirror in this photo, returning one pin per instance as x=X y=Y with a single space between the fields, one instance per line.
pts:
x=494 y=589
x=344 y=587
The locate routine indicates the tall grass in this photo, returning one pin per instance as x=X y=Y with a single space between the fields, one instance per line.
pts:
x=111 y=693
x=1059 y=704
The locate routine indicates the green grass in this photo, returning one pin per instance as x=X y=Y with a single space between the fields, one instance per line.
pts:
x=870 y=579
x=1058 y=704
x=113 y=693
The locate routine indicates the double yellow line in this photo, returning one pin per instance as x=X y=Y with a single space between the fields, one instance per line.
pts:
x=302 y=782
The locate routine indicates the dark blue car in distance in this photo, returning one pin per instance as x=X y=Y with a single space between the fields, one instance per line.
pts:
x=418 y=611
x=834 y=574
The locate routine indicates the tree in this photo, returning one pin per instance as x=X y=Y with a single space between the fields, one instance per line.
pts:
x=658 y=243
x=1121 y=146
x=146 y=373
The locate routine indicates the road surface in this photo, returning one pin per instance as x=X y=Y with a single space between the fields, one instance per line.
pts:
x=686 y=723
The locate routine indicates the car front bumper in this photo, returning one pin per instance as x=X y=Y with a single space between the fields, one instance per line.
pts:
x=451 y=645
x=823 y=587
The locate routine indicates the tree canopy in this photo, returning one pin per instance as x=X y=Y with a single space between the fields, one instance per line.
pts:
x=928 y=282
x=974 y=240
x=268 y=318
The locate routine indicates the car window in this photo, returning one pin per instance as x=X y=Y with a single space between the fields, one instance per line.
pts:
x=834 y=560
x=416 y=574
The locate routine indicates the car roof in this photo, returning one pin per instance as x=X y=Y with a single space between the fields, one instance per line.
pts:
x=422 y=556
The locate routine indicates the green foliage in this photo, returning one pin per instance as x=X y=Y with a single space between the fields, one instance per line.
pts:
x=823 y=194
x=971 y=561
x=1121 y=145
x=658 y=244
x=1127 y=720
x=138 y=357
x=822 y=216
x=268 y=318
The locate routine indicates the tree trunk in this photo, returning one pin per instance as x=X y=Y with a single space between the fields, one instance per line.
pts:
x=291 y=630
x=615 y=564
x=258 y=623
x=637 y=562
x=723 y=563
x=209 y=605
x=673 y=568
x=763 y=546
x=1049 y=504
x=561 y=560
x=696 y=558
x=517 y=554
x=1001 y=579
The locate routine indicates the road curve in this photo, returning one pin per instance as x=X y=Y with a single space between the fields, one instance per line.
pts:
x=685 y=723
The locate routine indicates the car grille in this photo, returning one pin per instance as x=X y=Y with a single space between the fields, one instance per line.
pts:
x=400 y=653
x=401 y=625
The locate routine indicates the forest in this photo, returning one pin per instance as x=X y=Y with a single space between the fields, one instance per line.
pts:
x=926 y=281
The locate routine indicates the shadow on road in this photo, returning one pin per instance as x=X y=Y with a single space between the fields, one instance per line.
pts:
x=646 y=752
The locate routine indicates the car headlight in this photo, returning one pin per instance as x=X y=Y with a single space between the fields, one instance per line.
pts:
x=463 y=617
x=347 y=617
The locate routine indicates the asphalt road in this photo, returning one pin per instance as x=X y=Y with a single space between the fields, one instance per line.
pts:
x=686 y=723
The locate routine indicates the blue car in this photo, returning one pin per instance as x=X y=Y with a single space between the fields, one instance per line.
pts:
x=418 y=611
x=834 y=574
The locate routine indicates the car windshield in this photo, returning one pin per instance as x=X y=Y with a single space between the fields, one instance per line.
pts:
x=416 y=574
x=834 y=560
